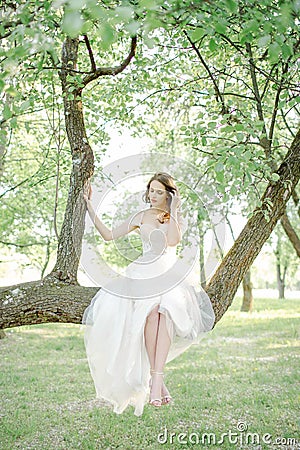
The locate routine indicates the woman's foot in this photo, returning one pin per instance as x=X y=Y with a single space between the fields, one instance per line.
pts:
x=165 y=394
x=156 y=388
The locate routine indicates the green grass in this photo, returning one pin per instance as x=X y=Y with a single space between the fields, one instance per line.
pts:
x=245 y=371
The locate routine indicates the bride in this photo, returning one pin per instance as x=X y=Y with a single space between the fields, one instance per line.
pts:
x=131 y=334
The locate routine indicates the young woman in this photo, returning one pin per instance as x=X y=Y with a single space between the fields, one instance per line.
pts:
x=132 y=333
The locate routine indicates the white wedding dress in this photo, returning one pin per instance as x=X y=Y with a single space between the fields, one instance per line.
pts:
x=115 y=320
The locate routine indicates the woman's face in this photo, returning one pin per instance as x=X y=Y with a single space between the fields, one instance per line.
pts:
x=158 y=195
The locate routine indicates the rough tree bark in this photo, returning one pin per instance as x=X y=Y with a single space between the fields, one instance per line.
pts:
x=280 y=280
x=290 y=232
x=247 y=304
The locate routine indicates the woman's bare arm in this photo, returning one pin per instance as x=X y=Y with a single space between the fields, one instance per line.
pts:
x=107 y=234
x=174 y=232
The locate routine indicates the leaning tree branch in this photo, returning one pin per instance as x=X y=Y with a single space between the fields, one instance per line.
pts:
x=226 y=280
x=102 y=71
x=290 y=232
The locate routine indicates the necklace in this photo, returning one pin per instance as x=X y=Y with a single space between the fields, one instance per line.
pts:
x=161 y=216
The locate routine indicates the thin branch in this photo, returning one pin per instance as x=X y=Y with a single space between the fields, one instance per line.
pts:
x=268 y=81
x=234 y=94
x=265 y=142
x=103 y=71
x=286 y=124
x=276 y=103
x=22 y=245
x=90 y=51
x=217 y=90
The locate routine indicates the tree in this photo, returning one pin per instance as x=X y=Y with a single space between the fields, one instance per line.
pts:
x=58 y=297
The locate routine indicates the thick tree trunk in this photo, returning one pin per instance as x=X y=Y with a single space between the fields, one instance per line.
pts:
x=280 y=281
x=247 y=304
x=290 y=232
x=70 y=239
x=38 y=302
x=201 y=261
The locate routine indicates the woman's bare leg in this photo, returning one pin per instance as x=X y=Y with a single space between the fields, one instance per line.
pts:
x=163 y=344
x=162 y=349
x=151 y=333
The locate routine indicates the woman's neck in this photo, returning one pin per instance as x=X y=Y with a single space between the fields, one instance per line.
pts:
x=158 y=210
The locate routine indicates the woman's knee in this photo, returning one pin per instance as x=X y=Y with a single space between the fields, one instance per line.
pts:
x=153 y=315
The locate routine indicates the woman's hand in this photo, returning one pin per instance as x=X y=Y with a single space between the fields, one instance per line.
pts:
x=87 y=191
x=175 y=201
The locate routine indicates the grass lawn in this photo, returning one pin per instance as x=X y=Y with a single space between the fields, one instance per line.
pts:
x=242 y=378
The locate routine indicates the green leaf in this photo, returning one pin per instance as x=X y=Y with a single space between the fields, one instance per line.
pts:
x=221 y=26
x=275 y=177
x=252 y=26
x=2 y=85
x=150 y=43
x=219 y=167
x=212 y=45
x=231 y=5
x=240 y=137
x=233 y=190
x=264 y=41
x=107 y=35
x=287 y=50
x=197 y=34
x=25 y=105
x=274 y=52
x=124 y=12
x=133 y=27
x=72 y=23
x=6 y=112
x=220 y=178
x=148 y=4
x=14 y=122
x=233 y=161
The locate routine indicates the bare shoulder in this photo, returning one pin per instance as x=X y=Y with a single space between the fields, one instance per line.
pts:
x=136 y=218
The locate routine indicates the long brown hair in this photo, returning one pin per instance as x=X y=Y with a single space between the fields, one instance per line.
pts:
x=168 y=181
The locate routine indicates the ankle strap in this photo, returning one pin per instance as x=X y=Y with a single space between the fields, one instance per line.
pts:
x=157 y=373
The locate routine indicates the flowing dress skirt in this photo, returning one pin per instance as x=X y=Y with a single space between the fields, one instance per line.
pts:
x=115 y=321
